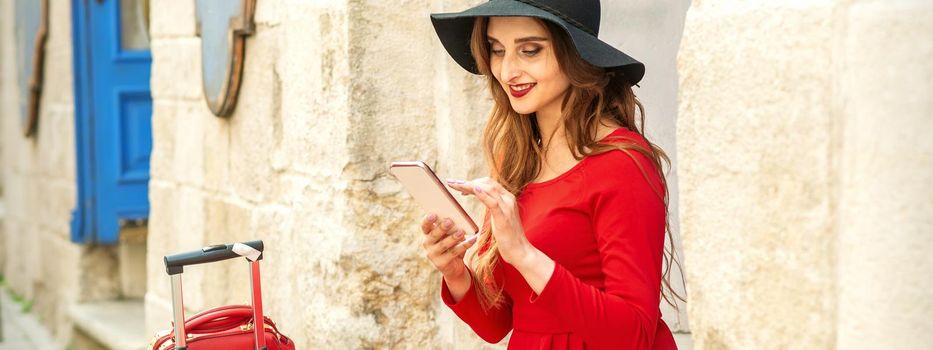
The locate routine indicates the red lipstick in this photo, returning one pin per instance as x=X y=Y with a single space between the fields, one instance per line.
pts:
x=520 y=90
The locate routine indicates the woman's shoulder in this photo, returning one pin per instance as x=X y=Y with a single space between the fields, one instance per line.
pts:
x=624 y=135
x=627 y=151
x=619 y=165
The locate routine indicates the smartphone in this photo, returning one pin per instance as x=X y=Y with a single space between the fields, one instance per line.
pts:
x=421 y=182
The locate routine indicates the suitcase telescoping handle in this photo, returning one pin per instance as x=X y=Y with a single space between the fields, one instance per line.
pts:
x=174 y=266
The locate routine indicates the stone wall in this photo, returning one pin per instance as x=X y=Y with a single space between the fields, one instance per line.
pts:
x=885 y=190
x=302 y=165
x=805 y=173
x=38 y=177
x=3 y=72
x=333 y=92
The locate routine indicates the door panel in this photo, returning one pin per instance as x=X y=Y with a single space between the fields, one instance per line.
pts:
x=113 y=117
x=134 y=115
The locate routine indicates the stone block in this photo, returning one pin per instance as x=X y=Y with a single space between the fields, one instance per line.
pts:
x=162 y=158
x=57 y=87
x=172 y=18
x=227 y=282
x=886 y=176
x=131 y=256
x=58 y=283
x=314 y=105
x=3 y=240
x=255 y=123
x=158 y=311
x=376 y=103
x=23 y=263
x=176 y=69
x=98 y=274
x=189 y=147
x=216 y=153
x=756 y=173
x=161 y=237
x=176 y=224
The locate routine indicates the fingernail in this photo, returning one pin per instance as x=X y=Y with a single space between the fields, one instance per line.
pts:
x=447 y=223
x=461 y=182
x=477 y=189
x=451 y=181
x=459 y=234
x=432 y=217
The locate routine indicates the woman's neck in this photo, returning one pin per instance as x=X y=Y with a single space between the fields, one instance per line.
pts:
x=548 y=119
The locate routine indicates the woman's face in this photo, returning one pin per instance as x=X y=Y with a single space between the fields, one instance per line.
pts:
x=523 y=61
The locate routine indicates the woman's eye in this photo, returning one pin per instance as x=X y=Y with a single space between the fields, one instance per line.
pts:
x=532 y=52
x=498 y=52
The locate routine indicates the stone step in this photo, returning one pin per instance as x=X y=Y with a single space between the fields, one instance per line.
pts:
x=116 y=325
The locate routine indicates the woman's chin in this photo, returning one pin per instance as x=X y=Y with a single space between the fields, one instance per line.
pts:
x=520 y=109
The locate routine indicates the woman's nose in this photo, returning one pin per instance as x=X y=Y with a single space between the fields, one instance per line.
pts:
x=511 y=67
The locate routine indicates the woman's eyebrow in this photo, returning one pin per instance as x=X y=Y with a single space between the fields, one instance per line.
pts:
x=520 y=40
x=530 y=38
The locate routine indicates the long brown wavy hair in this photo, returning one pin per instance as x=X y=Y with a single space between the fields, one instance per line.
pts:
x=512 y=143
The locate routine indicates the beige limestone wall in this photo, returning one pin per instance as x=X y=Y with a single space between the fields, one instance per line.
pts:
x=333 y=91
x=805 y=172
x=756 y=173
x=3 y=72
x=38 y=180
x=886 y=176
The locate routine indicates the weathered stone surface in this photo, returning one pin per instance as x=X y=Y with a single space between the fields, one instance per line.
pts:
x=756 y=173
x=176 y=18
x=302 y=165
x=131 y=264
x=176 y=68
x=332 y=92
x=38 y=177
x=886 y=176
x=786 y=167
x=810 y=179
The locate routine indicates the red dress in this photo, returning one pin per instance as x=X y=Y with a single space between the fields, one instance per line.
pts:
x=603 y=225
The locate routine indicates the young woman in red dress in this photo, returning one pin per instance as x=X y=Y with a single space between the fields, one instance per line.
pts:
x=570 y=253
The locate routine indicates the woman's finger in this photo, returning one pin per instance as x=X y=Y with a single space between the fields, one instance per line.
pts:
x=488 y=199
x=440 y=231
x=460 y=249
x=449 y=242
x=492 y=185
x=427 y=224
x=464 y=187
x=485 y=197
x=454 y=254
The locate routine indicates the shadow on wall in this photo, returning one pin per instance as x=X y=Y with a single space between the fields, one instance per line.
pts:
x=651 y=31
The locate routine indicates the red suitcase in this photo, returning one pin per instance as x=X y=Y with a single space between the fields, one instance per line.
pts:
x=230 y=327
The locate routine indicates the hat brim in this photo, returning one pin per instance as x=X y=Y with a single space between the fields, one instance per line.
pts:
x=454 y=30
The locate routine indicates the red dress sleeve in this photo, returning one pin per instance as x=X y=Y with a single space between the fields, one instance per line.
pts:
x=628 y=220
x=491 y=325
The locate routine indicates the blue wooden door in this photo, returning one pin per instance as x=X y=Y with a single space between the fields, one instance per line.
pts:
x=113 y=116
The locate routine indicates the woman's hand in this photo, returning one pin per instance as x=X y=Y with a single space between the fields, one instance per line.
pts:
x=503 y=208
x=514 y=247
x=442 y=246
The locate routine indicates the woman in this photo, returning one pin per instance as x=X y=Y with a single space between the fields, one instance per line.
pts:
x=570 y=254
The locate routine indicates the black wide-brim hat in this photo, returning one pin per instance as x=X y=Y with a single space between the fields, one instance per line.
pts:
x=580 y=18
